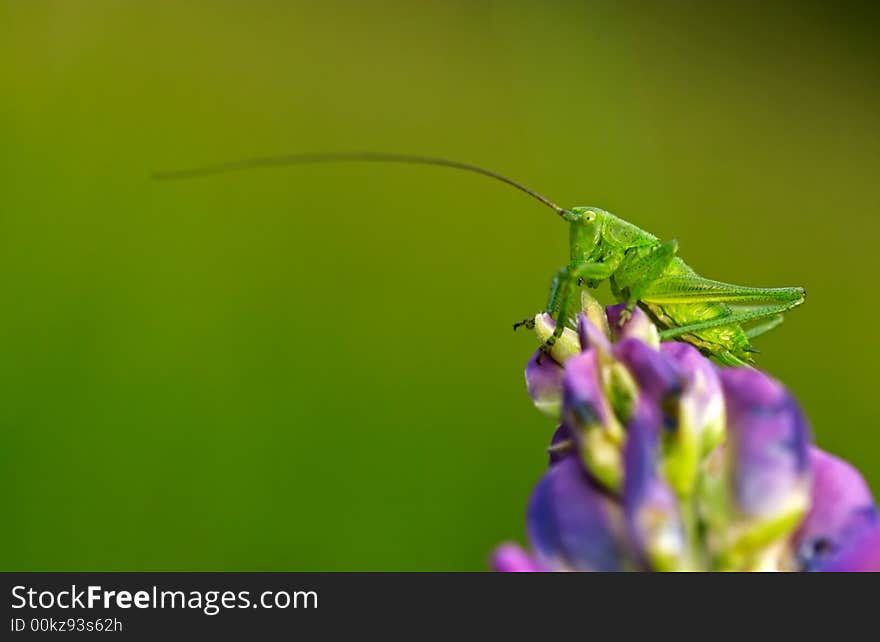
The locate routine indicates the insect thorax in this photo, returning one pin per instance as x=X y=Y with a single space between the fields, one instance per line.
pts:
x=622 y=234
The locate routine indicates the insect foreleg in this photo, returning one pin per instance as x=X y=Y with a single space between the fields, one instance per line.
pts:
x=593 y=272
x=565 y=292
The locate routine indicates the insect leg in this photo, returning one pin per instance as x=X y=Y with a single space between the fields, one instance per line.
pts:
x=727 y=358
x=742 y=316
x=761 y=328
x=528 y=324
x=592 y=271
x=564 y=294
x=696 y=289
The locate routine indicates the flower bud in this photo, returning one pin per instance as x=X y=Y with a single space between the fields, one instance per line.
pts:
x=637 y=326
x=589 y=418
x=566 y=346
x=663 y=383
x=702 y=399
x=593 y=338
x=595 y=313
x=700 y=414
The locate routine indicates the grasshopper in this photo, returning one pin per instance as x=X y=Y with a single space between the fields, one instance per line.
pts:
x=718 y=318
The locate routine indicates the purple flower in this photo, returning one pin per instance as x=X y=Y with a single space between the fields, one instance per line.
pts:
x=768 y=441
x=592 y=337
x=861 y=555
x=588 y=416
x=841 y=510
x=700 y=415
x=650 y=506
x=762 y=490
x=638 y=326
x=561 y=445
x=702 y=401
x=662 y=461
x=571 y=522
x=544 y=381
x=511 y=558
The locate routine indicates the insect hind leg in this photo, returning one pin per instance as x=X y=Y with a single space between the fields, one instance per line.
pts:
x=727 y=358
x=696 y=289
x=761 y=328
x=735 y=318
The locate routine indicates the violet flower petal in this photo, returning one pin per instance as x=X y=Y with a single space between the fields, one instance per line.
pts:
x=587 y=413
x=592 y=337
x=841 y=507
x=702 y=397
x=511 y=558
x=638 y=326
x=584 y=400
x=561 y=445
x=700 y=425
x=768 y=441
x=658 y=376
x=650 y=505
x=570 y=522
x=544 y=380
x=860 y=556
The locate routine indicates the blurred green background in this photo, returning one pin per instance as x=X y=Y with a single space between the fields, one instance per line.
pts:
x=313 y=368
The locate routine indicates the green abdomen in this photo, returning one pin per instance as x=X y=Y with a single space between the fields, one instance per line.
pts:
x=729 y=338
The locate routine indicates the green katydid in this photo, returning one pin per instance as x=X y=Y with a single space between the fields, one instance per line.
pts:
x=718 y=318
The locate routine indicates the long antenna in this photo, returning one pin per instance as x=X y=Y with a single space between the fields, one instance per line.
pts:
x=375 y=157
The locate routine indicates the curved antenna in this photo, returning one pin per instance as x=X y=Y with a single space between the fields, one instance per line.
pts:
x=376 y=157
